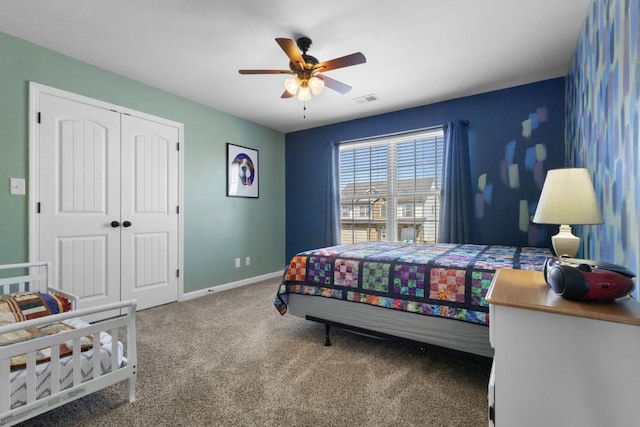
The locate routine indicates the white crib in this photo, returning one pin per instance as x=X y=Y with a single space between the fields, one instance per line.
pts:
x=40 y=387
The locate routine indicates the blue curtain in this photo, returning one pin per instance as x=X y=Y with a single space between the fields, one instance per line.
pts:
x=456 y=212
x=332 y=197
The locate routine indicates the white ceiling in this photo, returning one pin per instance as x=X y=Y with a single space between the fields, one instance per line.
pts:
x=418 y=51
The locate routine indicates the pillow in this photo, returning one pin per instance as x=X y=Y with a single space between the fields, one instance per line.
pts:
x=31 y=305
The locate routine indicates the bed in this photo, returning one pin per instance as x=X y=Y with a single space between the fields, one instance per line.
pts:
x=48 y=355
x=432 y=294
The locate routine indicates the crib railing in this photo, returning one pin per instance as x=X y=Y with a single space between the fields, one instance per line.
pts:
x=37 y=279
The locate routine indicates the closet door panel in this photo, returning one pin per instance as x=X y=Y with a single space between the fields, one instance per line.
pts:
x=79 y=183
x=149 y=204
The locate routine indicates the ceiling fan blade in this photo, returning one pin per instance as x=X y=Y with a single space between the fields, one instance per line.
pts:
x=334 y=84
x=290 y=48
x=343 y=61
x=286 y=94
x=265 y=71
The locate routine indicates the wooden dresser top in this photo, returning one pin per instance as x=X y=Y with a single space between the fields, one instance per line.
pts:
x=528 y=290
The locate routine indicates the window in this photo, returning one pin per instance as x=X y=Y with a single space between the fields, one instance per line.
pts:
x=383 y=209
x=391 y=188
x=408 y=210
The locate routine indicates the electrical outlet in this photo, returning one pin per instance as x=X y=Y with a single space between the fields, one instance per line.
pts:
x=247 y=261
x=237 y=262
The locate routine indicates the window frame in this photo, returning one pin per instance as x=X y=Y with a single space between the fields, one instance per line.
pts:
x=394 y=191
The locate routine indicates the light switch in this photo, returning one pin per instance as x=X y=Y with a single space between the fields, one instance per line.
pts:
x=17 y=186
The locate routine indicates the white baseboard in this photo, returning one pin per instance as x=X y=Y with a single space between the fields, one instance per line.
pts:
x=232 y=285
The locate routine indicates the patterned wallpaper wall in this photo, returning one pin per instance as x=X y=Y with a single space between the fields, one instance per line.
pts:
x=603 y=133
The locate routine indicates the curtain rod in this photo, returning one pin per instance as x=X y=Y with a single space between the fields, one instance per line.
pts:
x=462 y=122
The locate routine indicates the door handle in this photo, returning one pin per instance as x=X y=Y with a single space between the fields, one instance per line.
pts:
x=126 y=224
x=115 y=224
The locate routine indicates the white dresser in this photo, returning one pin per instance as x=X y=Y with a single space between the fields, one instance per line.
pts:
x=560 y=362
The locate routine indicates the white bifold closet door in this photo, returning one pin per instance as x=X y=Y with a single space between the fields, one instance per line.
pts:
x=108 y=197
x=149 y=201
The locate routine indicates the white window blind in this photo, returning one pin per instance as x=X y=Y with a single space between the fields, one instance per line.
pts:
x=390 y=188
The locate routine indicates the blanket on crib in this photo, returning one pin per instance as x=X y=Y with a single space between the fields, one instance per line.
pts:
x=445 y=280
x=31 y=305
x=43 y=355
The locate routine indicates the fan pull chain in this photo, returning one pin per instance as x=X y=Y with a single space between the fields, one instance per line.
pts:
x=304 y=109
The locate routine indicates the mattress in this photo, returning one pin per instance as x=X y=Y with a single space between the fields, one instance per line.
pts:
x=18 y=377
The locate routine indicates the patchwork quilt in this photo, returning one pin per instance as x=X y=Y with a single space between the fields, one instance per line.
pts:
x=31 y=305
x=43 y=355
x=445 y=280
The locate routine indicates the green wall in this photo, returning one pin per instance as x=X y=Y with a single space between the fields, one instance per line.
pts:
x=217 y=229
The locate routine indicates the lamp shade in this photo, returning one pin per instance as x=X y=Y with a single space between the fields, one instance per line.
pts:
x=568 y=198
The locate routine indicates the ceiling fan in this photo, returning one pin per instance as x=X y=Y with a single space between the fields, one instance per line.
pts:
x=307 y=70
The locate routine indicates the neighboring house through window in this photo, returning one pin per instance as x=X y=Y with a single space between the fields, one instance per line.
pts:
x=392 y=184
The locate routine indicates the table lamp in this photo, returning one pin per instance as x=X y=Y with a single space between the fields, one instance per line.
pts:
x=567 y=198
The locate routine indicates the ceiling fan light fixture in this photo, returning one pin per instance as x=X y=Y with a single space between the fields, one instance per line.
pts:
x=292 y=85
x=316 y=84
x=306 y=69
x=304 y=94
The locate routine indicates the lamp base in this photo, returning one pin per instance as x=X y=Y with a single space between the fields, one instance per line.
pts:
x=565 y=243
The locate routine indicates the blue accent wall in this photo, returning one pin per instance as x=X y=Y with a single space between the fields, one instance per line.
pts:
x=515 y=136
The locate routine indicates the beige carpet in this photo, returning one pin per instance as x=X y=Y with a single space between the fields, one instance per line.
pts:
x=230 y=359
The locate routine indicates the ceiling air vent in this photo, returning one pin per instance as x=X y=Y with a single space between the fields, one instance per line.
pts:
x=366 y=98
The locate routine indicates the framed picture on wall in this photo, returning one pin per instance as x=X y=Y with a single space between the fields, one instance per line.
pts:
x=242 y=171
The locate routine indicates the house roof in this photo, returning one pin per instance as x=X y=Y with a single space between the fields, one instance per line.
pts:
x=379 y=188
x=417 y=52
